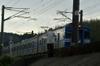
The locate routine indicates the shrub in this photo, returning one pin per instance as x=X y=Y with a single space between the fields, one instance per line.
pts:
x=5 y=61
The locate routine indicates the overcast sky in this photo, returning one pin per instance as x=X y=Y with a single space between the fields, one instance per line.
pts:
x=45 y=12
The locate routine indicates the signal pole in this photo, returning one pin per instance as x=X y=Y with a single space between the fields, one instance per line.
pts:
x=2 y=27
x=75 y=21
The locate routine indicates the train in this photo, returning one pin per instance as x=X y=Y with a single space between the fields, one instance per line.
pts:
x=60 y=37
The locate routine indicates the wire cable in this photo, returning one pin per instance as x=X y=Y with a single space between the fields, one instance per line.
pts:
x=38 y=9
x=49 y=7
x=15 y=3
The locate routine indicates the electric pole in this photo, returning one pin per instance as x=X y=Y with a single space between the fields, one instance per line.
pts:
x=2 y=27
x=75 y=21
x=81 y=27
x=58 y=39
x=81 y=18
x=21 y=10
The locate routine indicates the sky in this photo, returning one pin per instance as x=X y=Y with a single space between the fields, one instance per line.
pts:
x=44 y=11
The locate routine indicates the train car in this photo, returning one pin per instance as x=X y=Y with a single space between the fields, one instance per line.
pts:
x=60 y=37
x=83 y=35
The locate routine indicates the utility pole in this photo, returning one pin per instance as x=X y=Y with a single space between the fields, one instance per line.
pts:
x=58 y=39
x=3 y=20
x=11 y=44
x=2 y=29
x=37 y=43
x=75 y=21
x=81 y=27
x=81 y=18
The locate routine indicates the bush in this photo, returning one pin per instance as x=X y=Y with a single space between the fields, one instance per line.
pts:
x=77 y=50
x=5 y=61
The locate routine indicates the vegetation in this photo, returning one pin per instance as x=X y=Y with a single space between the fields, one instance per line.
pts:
x=15 y=37
x=6 y=61
x=85 y=49
x=95 y=29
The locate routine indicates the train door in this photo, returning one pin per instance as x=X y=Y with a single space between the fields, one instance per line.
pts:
x=50 y=48
x=67 y=37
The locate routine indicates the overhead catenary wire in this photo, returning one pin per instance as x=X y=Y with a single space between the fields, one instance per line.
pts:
x=36 y=10
x=16 y=2
x=12 y=16
x=8 y=2
x=91 y=10
x=20 y=13
x=45 y=7
x=24 y=12
x=92 y=6
x=94 y=15
x=49 y=7
x=11 y=2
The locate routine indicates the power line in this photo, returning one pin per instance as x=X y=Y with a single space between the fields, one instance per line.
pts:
x=96 y=10
x=50 y=7
x=92 y=7
x=92 y=15
x=36 y=10
x=13 y=15
x=11 y=2
x=63 y=14
x=16 y=2
x=8 y=2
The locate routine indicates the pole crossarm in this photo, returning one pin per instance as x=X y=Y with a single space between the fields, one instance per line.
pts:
x=63 y=14
x=16 y=8
x=61 y=19
x=44 y=27
x=13 y=16
x=25 y=17
x=20 y=11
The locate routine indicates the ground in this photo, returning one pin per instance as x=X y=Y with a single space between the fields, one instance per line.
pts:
x=92 y=59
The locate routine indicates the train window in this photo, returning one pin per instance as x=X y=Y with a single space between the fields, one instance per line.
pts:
x=14 y=48
x=40 y=42
x=68 y=35
x=86 y=34
x=33 y=44
x=45 y=40
x=55 y=38
x=80 y=34
x=22 y=47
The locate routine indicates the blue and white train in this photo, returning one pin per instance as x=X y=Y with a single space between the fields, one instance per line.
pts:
x=60 y=37
x=83 y=35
